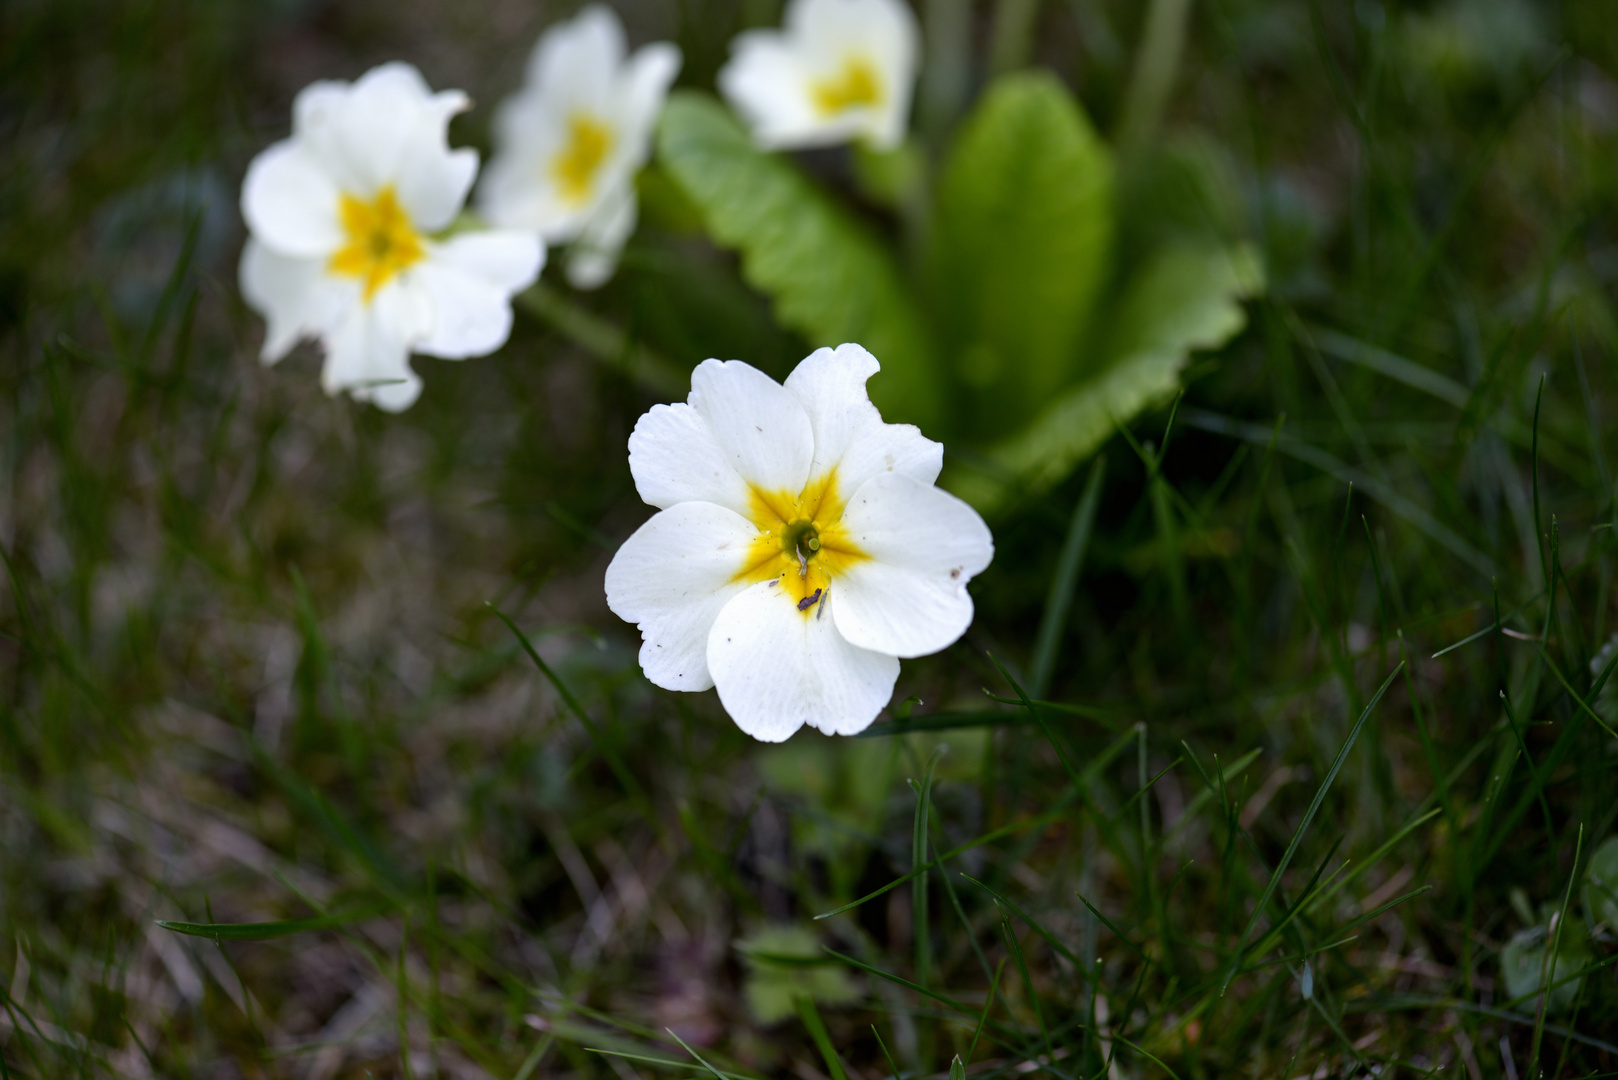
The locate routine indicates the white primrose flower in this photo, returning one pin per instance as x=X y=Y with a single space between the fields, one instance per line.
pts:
x=800 y=547
x=840 y=70
x=568 y=145
x=342 y=217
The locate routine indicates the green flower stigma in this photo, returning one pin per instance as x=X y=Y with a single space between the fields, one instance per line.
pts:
x=801 y=540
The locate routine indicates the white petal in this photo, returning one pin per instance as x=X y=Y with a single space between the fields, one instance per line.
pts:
x=296 y=296
x=389 y=128
x=770 y=77
x=433 y=182
x=290 y=201
x=577 y=67
x=592 y=258
x=849 y=433
x=470 y=279
x=645 y=82
x=764 y=81
x=516 y=192
x=368 y=353
x=910 y=597
x=470 y=316
x=883 y=31
x=671 y=578
x=674 y=458
x=508 y=259
x=519 y=189
x=575 y=60
x=759 y=426
x=777 y=668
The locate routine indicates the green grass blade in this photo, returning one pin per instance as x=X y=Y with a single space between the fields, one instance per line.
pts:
x=1053 y=621
x=1386 y=494
x=263 y=931
x=1108 y=923
x=822 y=1038
x=1303 y=827
x=1014 y=947
x=700 y=1060
x=1389 y=906
x=1342 y=882
x=603 y=747
x=896 y=1075
x=988 y=1003
x=1038 y=928
x=943 y=999
x=645 y=1059
x=920 y=922
x=1007 y=829
x=1548 y=965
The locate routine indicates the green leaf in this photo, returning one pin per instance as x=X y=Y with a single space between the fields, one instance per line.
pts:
x=1525 y=971
x=1185 y=298
x=785 y=963
x=1601 y=883
x=831 y=279
x=1023 y=244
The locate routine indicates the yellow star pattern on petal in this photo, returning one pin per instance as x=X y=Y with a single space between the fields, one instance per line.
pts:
x=380 y=240
x=801 y=542
x=589 y=141
x=856 y=85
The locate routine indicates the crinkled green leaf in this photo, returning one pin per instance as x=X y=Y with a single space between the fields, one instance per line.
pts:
x=1601 y=878
x=1523 y=966
x=785 y=963
x=830 y=278
x=1023 y=242
x=1185 y=298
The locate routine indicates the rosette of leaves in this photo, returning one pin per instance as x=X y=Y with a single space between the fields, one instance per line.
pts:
x=1049 y=292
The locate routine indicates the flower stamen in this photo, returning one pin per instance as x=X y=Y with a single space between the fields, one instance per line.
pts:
x=856 y=85
x=802 y=543
x=381 y=240
x=589 y=141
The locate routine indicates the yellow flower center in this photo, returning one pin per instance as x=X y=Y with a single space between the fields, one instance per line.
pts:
x=802 y=543
x=589 y=141
x=854 y=86
x=380 y=240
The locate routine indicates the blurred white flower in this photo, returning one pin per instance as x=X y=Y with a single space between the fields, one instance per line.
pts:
x=568 y=144
x=840 y=70
x=342 y=217
x=800 y=546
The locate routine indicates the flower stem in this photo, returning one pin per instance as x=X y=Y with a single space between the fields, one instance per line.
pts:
x=1155 y=67
x=604 y=341
x=1013 y=36
x=946 y=71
